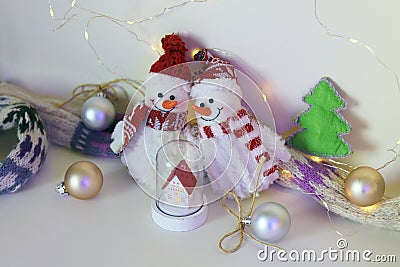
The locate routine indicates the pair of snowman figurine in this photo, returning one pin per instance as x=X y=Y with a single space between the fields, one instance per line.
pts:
x=235 y=146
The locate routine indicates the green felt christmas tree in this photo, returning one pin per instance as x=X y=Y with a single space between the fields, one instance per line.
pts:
x=322 y=125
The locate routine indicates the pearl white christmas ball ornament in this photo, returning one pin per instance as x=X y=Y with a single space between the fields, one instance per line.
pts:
x=98 y=113
x=83 y=180
x=270 y=222
x=364 y=186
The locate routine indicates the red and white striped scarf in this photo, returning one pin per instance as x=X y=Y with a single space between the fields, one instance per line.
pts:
x=245 y=128
x=162 y=121
x=166 y=121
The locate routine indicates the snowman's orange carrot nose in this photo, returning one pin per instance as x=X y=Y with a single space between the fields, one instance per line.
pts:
x=202 y=111
x=168 y=104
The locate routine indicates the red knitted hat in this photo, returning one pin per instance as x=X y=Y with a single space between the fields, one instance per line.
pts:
x=174 y=54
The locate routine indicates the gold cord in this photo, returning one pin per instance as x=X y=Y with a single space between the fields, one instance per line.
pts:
x=242 y=218
x=87 y=90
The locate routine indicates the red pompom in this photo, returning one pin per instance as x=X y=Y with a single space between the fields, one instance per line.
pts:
x=174 y=53
x=173 y=43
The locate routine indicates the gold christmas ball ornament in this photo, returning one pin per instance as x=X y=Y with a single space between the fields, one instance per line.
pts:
x=364 y=186
x=83 y=180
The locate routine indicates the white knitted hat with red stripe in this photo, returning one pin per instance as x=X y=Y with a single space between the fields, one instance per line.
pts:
x=219 y=73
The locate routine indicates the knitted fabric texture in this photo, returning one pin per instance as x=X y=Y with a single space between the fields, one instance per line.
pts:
x=326 y=185
x=242 y=125
x=27 y=157
x=63 y=125
x=174 y=53
x=166 y=121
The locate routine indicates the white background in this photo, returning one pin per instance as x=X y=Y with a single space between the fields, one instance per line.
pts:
x=279 y=43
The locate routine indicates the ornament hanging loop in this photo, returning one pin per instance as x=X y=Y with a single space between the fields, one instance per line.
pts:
x=243 y=218
x=242 y=221
x=246 y=221
x=109 y=89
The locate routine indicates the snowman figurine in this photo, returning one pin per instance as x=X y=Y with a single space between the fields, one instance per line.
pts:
x=234 y=144
x=159 y=118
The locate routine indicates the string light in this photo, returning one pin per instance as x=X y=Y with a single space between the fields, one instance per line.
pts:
x=194 y=52
x=127 y=21
x=264 y=97
x=51 y=10
x=355 y=41
x=370 y=209
x=64 y=20
x=396 y=155
x=123 y=23
x=316 y=159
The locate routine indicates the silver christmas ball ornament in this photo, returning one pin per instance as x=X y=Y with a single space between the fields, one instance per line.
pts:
x=98 y=113
x=270 y=222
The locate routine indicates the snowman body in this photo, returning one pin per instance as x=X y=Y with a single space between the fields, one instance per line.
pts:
x=233 y=142
x=166 y=98
x=140 y=155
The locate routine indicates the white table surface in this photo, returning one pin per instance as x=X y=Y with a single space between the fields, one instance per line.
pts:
x=38 y=227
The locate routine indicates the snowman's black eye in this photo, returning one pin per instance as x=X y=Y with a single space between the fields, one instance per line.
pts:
x=172 y=97
x=160 y=95
x=210 y=100
x=202 y=105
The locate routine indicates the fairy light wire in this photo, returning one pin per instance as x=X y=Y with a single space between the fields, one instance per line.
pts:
x=395 y=157
x=64 y=20
x=355 y=41
x=117 y=22
x=128 y=21
x=123 y=23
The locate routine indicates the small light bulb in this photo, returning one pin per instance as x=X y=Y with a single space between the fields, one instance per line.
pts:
x=353 y=41
x=51 y=12
x=194 y=52
x=264 y=97
x=370 y=209
x=325 y=205
x=286 y=173
x=316 y=159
